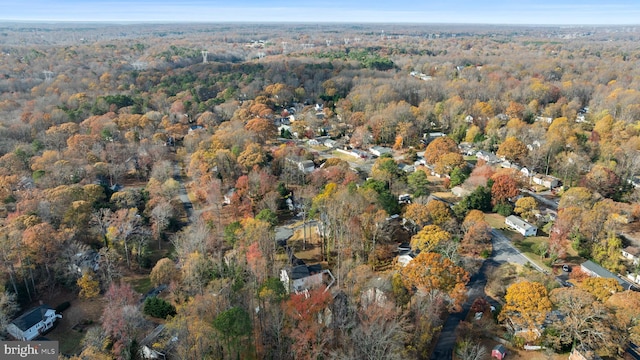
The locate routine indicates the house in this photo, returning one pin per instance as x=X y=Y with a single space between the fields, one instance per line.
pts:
x=330 y=143
x=89 y=259
x=229 y=196
x=582 y=352
x=406 y=168
x=521 y=226
x=301 y=278
x=380 y=150
x=306 y=166
x=193 y=128
x=499 y=352
x=547 y=181
x=526 y=172
x=459 y=191
x=632 y=253
x=33 y=323
x=594 y=270
x=489 y=157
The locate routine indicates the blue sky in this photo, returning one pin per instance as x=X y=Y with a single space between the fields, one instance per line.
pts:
x=558 y=12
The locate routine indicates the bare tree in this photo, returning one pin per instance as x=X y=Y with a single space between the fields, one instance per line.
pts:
x=468 y=349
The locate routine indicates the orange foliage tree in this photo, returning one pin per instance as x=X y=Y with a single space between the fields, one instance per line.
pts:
x=432 y=271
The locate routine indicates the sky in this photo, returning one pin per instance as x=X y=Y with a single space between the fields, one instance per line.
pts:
x=542 y=12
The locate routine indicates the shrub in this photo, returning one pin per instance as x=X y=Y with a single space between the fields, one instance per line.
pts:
x=156 y=307
x=62 y=307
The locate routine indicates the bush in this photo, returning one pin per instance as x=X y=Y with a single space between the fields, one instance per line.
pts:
x=62 y=307
x=158 y=308
x=503 y=209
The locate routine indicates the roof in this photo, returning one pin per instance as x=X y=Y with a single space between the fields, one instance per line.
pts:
x=500 y=348
x=598 y=270
x=518 y=222
x=27 y=320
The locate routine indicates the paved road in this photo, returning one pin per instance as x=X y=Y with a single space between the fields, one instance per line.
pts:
x=182 y=193
x=550 y=203
x=503 y=252
x=447 y=340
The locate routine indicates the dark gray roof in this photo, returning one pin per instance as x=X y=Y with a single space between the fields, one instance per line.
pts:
x=27 y=320
x=601 y=272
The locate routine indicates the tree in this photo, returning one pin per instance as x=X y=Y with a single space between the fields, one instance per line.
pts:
x=429 y=237
x=262 y=129
x=418 y=183
x=584 y=321
x=576 y=196
x=626 y=307
x=525 y=207
x=196 y=273
x=527 y=305
x=121 y=319
x=467 y=349
x=601 y=288
x=417 y=213
x=163 y=272
x=379 y=333
x=439 y=147
x=431 y=271
x=234 y=325
x=458 y=176
x=303 y=312
x=512 y=149
x=159 y=308
x=602 y=180
x=89 y=287
x=449 y=162
x=439 y=212
x=504 y=188
x=161 y=215
x=8 y=307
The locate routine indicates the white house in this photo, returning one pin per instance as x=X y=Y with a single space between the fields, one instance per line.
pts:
x=380 y=150
x=306 y=166
x=521 y=226
x=546 y=181
x=489 y=157
x=33 y=323
x=632 y=253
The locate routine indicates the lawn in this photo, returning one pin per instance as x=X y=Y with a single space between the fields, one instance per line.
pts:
x=525 y=245
x=345 y=157
x=141 y=284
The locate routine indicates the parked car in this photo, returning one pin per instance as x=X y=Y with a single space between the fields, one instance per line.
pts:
x=566 y=268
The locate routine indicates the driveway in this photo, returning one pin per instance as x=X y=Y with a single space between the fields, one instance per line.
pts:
x=447 y=340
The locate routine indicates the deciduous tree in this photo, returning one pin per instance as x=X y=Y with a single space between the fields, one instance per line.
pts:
x=527 y=305
x=431 y=271
x=512 y=149
x=584 y=321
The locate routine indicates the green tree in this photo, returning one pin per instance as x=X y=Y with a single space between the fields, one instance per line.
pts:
x=159 y=308
x=234 y=325
x=418 y=183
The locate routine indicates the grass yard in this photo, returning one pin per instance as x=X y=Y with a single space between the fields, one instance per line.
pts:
x=346 y=157
x=495 y=220
x=140 y=283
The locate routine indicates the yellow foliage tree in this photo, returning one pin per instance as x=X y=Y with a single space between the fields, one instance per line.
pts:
x=429 y=238
x=527 y=305
x=89 y=287
x=525 y=207
x=601 y=288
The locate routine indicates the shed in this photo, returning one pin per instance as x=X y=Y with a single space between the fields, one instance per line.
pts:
x=499 y=352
